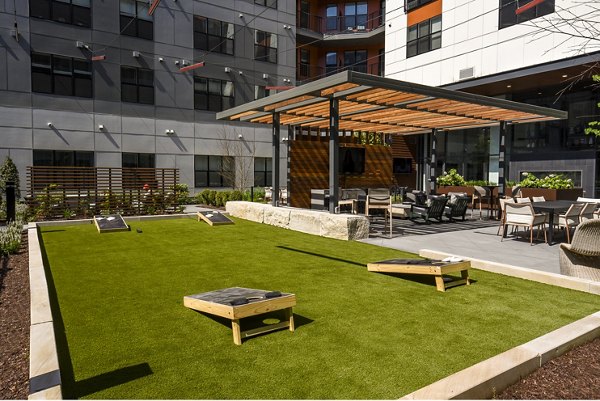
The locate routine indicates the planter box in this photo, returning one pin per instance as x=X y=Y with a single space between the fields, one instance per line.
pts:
x=455 y=188
x=551 y=194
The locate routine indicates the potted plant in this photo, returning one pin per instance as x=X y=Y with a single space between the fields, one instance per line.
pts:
x=551 y=187
x=451 y=181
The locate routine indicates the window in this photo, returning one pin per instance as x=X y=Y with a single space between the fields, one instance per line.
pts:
x=267 y=3
x=355 y=16
x=135 y=20
x=61 y=75
x=213 y=94
x=381 y=65
x=138 y=160
x=330 y=63
x=75 y=12
x=410 y=4
x=332 y=17
x=355 y=60
x=262 y=91
x=213 y=35
x=509 y=16
x=263 y=171
x=304 y=67
x=265 y=46
x=63 y=158
x=424 y=37
x=213 y=171
x=137 y=85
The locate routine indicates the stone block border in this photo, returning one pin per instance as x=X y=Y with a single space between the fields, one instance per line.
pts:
x=316 y=222
x=478 y=381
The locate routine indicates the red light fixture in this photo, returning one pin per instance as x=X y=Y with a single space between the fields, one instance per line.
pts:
x=528 y=6
x=99 y=58
x=192 y=67
x=153 y=7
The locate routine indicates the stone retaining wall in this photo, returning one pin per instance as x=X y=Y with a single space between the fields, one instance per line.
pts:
x=324 y=224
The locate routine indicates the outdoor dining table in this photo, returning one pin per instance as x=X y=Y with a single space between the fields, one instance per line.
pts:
x=552 y=208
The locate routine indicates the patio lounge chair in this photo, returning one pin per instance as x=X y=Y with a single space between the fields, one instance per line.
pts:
x=570 y=219
x=456 y=207
x=587 y=212
x=582 y=257
x=435 y=210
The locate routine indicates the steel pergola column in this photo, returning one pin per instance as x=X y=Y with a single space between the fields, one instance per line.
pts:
x=334 y=144
x=275 y=162
x=502 y=162
x=433 y=163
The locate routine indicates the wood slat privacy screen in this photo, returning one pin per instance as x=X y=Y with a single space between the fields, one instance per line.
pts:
x=64 y=192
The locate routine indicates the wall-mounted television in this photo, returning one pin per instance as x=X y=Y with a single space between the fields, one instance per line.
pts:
x=351 y=160
x=402 y=165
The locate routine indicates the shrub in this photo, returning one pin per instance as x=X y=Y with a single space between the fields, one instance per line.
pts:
x=479 y=182
x=10 y=238
x=551 y=181
x=450 y=178
x=182 y=193
x=9 y=172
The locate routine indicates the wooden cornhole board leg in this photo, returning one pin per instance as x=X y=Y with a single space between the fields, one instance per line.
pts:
x=238 y=334
x=441 y=285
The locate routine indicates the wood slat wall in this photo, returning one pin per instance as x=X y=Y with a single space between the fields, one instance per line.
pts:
x=309 y=169
x=63 y=192
x=406 y=146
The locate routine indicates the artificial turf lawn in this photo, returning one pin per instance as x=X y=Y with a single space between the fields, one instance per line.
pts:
x=358 y=334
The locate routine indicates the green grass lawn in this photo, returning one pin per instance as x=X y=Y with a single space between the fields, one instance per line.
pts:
x=358 y=334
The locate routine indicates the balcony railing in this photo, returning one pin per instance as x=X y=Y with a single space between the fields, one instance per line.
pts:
x=340 y=24
x=307 y=73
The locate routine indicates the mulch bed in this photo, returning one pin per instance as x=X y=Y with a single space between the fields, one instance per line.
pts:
x=574 y=375
x=14 y=324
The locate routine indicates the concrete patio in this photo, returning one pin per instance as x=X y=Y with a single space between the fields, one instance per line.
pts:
x=471 y=238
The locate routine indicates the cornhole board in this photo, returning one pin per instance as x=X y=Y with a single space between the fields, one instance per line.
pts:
x=110 y=223
x=436 y=268
x=214 y=218
x=219 y=303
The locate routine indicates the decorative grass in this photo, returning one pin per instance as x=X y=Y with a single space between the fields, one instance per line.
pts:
x=123 y=331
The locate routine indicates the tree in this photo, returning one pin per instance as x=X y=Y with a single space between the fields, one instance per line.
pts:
x=238 y=158
x=9 y=172
x=594 y=126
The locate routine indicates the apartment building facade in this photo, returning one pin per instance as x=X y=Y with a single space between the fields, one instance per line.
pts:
x=131 y=83
x=532 y=51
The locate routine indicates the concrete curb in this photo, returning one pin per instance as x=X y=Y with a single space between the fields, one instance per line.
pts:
x=489 y=377
x=44 y=371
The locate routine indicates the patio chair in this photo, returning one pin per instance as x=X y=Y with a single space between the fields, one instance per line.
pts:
x=434 y=210
x=480 y=194
x=587 y=212
x=456 y=207
x=503 y=202
x=416 y=197
x=522 y=215
x=378 y=198
x=582 y=257
x=570 y=219
x=538 y=199
x=268 y=194
x=516 y=192
x=523 y=200
x=283 y=196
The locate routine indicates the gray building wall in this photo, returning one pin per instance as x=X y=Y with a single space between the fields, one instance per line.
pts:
x=130 y=127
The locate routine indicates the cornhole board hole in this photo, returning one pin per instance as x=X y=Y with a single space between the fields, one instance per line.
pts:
x=110 y=223
x=236 y=303
x=436 y=268
x=214 y=218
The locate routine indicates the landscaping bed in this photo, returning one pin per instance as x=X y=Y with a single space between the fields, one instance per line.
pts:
x=14 y=324
x=359 y=334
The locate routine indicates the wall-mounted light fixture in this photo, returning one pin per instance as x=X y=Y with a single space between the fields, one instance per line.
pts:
x=101 y=127
x=240 y=136
x=50 y=125
x=169 y=131
x=265 y=76
x=160 y=59
x=135 y=53
x=227 y=69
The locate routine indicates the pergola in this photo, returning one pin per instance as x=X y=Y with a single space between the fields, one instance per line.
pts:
x=352 y=101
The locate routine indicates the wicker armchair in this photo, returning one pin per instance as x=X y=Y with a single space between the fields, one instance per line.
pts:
x=581 y=258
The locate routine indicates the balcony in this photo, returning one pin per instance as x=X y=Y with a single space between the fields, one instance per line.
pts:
x=364 y=26
x=307 y=73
